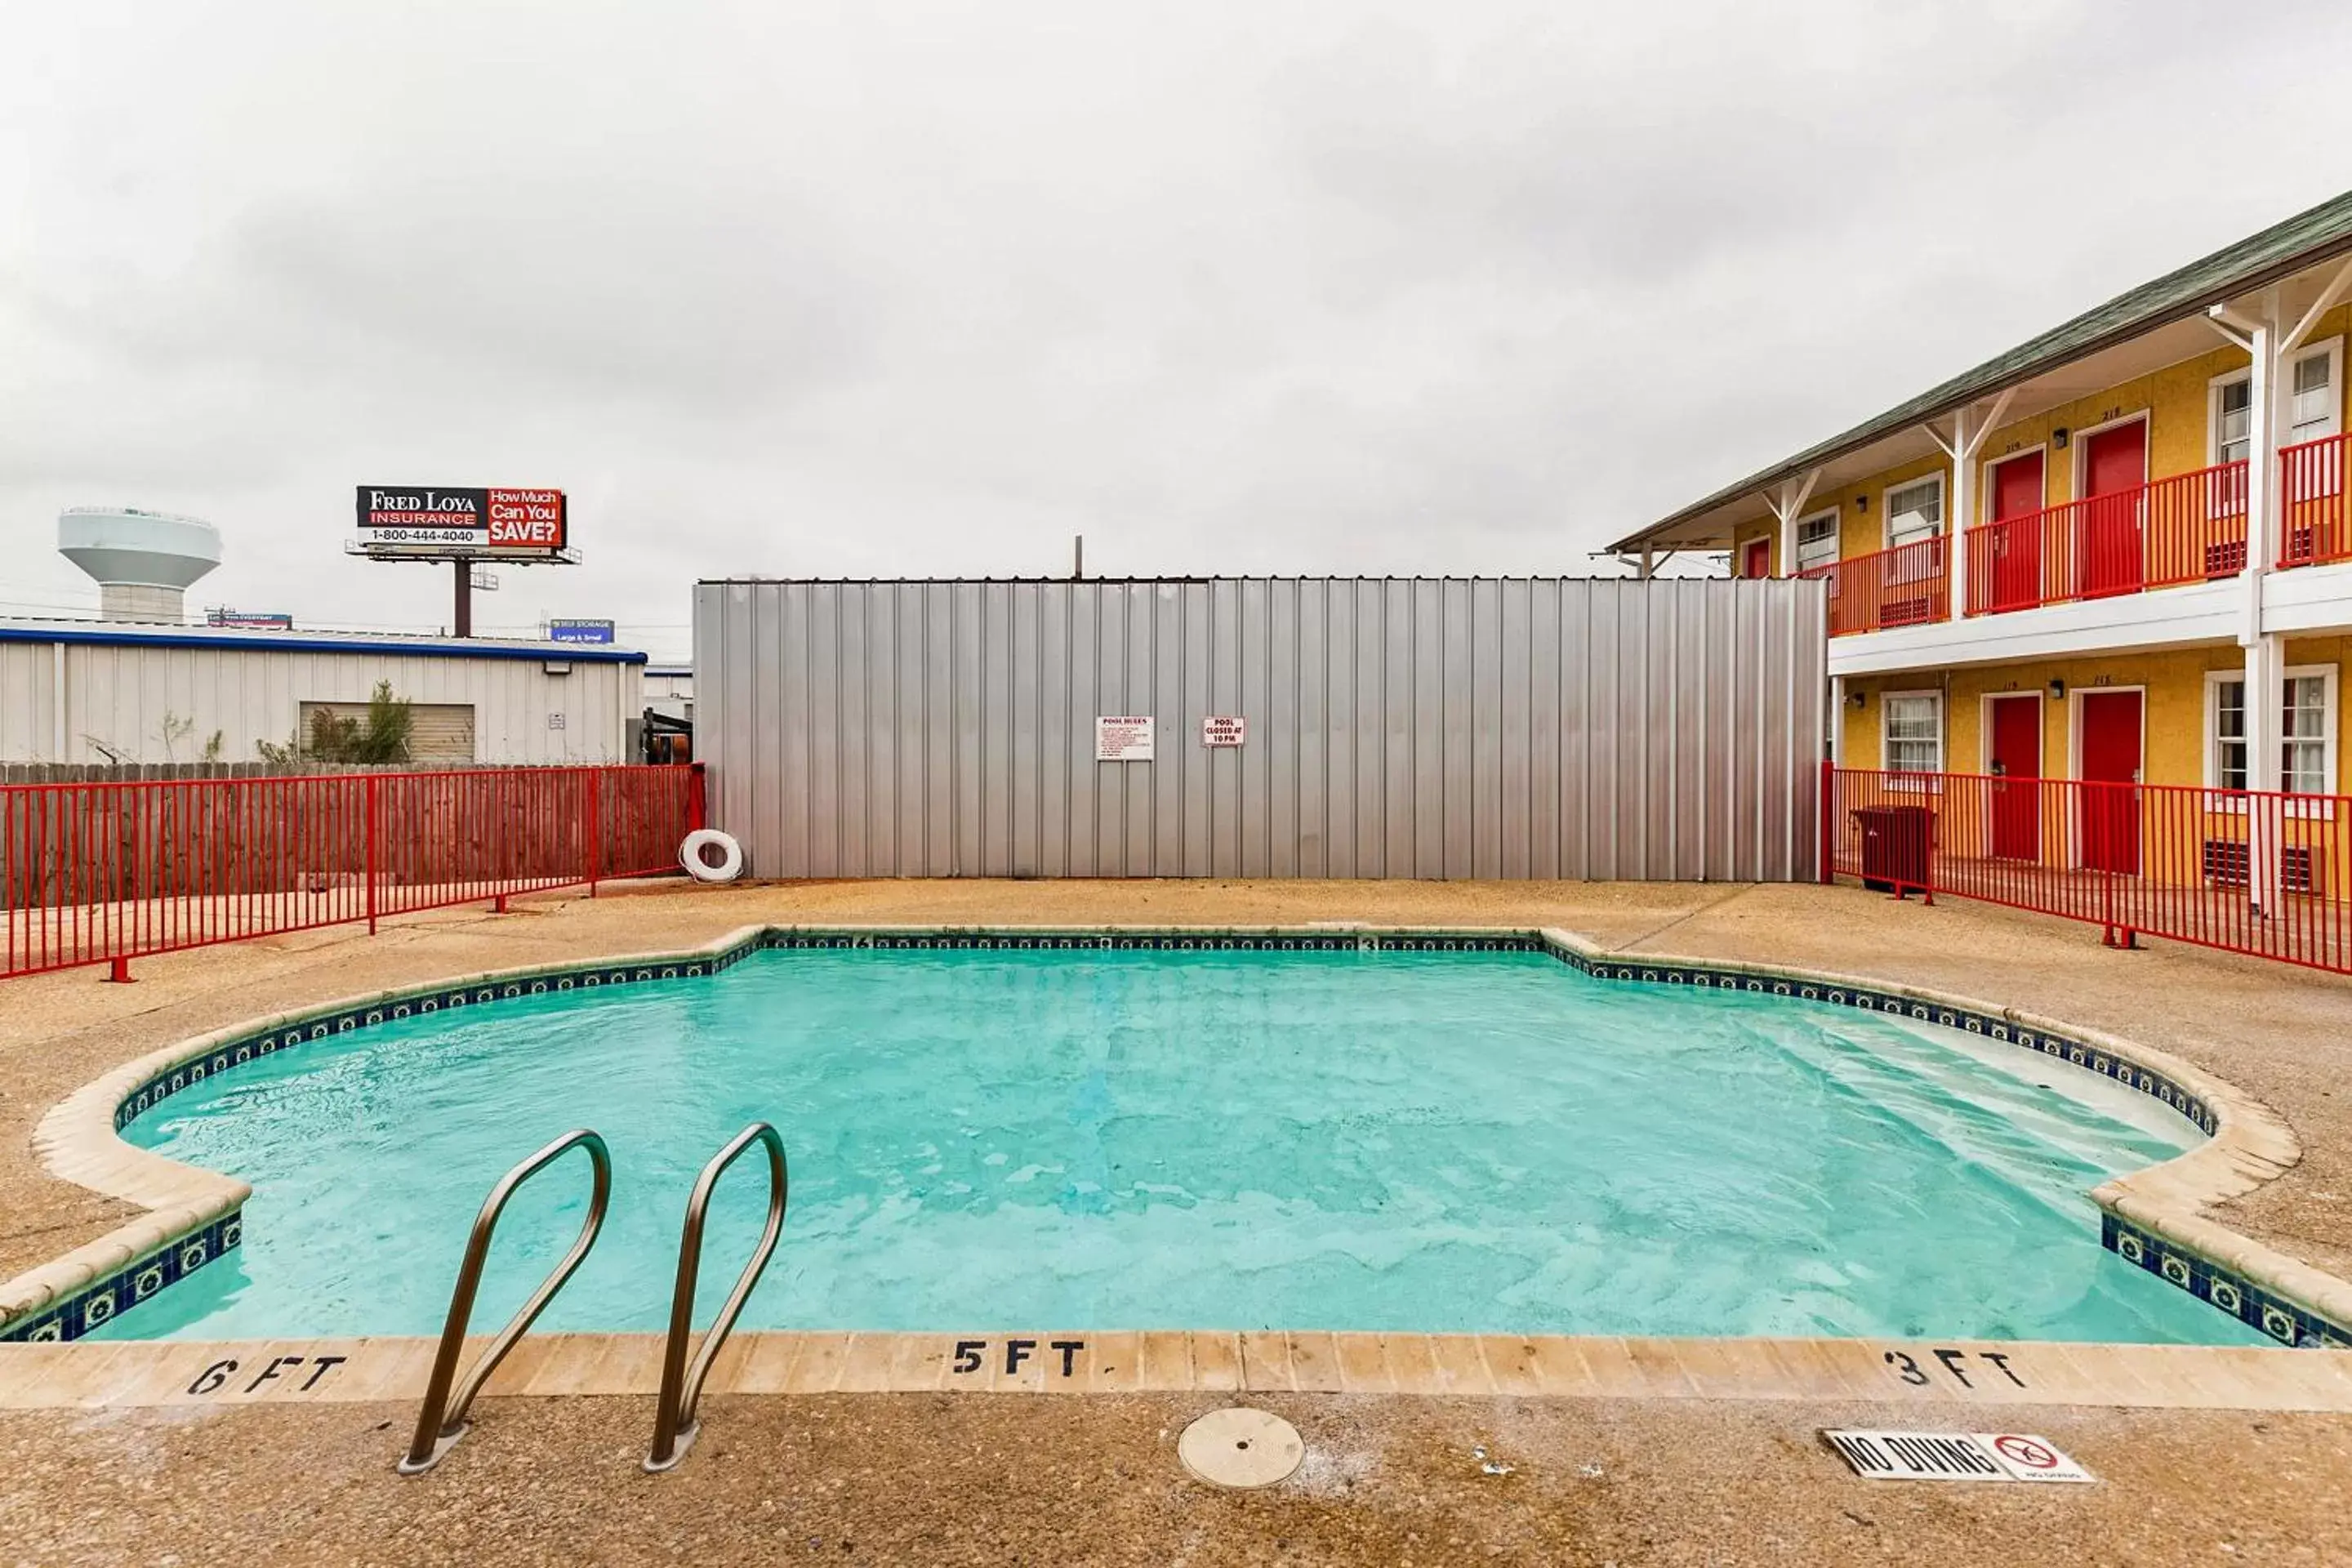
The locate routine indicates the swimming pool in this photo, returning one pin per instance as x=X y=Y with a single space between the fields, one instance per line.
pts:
x=1487 y=1142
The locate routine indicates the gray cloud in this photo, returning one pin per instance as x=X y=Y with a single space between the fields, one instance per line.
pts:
x=930 y=286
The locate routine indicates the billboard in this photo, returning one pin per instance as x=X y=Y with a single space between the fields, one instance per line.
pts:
x=580 y=631
x=264 y=620
x=430 y=521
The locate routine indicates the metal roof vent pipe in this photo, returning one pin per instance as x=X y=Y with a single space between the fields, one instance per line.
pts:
x=143 y=561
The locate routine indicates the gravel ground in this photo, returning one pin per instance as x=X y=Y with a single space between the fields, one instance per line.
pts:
x=971 y=1478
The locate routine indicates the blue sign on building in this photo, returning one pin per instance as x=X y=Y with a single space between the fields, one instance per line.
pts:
x=580 y=631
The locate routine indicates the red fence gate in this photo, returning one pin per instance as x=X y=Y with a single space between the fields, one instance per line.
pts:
x=2251 y=872
x=103 y=873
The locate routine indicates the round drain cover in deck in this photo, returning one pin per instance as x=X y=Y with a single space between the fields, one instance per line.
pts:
x=1241 y=1447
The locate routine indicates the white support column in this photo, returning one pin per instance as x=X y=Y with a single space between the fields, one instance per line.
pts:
x=1786 y=504
x=2261 y=466
x=2265 y=703
x=2265 y=656
x=1970 y=429
x=1837 y=720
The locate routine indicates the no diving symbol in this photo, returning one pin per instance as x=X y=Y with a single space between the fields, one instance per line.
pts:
x=2031 y=1458
x=2025 y=1452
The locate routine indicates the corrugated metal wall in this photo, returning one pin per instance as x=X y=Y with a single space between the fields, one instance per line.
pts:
x=150 y=704
x=1466 y=728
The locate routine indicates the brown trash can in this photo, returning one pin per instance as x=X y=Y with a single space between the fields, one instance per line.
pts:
x=1896 y=844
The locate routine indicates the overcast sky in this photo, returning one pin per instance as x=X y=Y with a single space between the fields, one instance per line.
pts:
x=918 y=287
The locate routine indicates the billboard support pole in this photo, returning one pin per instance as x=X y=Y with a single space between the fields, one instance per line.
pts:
x=464 y=624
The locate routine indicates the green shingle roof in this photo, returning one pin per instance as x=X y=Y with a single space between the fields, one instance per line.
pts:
x=2260 y=259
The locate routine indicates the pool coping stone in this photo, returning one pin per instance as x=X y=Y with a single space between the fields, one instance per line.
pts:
x=755 y=1362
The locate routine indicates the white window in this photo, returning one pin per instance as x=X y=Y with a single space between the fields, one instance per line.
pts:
x=2234 y=419
x=1915 y=510
x=2311 y=384
x=2307 y=733
x=1817 y=539
x=2225 y=701
x=2303 y=740
x=1911 y=737
x=2313 y=402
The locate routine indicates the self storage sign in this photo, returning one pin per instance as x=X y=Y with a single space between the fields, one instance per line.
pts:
x=425 y=519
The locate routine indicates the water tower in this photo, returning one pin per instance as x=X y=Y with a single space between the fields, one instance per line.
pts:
x=144 y=561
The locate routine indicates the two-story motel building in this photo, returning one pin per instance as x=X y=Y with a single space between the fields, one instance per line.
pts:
x=2152 y=574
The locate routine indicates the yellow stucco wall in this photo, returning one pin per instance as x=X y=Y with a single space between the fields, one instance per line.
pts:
x=2175 y=399
x=2174 y=712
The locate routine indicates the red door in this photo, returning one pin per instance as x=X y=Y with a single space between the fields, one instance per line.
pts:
x=1758 y=563
x=2016 y=758
x=2017 y=493
x=2114 y=478
x=2111 y=763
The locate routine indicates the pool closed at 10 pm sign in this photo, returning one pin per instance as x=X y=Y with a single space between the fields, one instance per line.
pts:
x=424 y=519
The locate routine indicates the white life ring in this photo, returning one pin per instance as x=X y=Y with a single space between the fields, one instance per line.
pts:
x=730 y=856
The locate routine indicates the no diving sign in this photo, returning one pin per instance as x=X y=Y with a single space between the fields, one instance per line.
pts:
x=1954 y=1457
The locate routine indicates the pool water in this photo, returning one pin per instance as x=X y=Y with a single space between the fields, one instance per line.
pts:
x=1000 y=1140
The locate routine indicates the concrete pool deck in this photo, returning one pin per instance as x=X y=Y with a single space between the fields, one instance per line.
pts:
x=2283 y=1035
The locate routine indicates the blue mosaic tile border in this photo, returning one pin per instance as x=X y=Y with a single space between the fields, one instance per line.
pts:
x=1309 y=942
x=95 y=1304
x=2251 y=1305
x=2282 y=1320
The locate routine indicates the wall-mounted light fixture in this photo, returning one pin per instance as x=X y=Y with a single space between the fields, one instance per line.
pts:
x=1854 y=700
x=2058 y=438
x=2057 y=691
x=1862 y=503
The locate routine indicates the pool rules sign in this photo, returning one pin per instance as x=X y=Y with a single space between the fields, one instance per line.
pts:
x=1123 y=737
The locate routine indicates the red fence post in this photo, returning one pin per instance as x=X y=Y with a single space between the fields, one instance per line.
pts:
x=595 y=826
x=697 y=799
x=372 y=832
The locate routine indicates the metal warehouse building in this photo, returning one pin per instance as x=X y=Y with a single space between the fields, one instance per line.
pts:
x=99 y=692
x=1265 y=727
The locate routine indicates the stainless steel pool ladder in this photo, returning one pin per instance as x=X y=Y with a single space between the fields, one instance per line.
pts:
x=675 y=1426
x=442 y=1421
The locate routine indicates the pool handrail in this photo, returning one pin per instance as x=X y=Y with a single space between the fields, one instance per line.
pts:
x=675 y=1426
x=441 y=1421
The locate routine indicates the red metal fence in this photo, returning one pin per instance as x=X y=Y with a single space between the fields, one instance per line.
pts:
x=2311 y=495
x=2185 y=529
x=2251 y=872
x=103 y=873
x=1899 y=587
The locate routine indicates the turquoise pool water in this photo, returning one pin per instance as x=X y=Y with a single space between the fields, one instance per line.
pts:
x=990 y=1140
